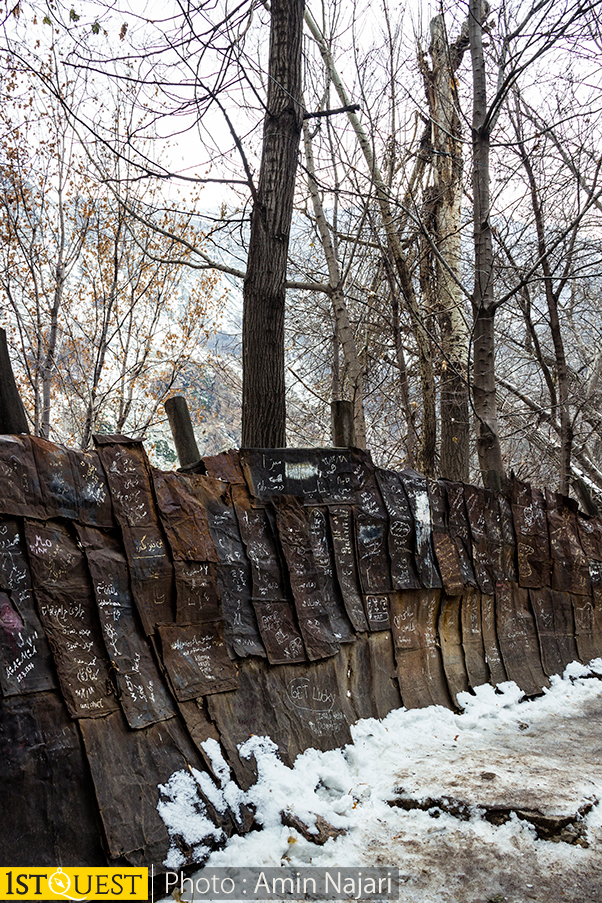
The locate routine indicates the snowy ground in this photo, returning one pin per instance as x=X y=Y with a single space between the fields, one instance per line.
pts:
x=540 y=757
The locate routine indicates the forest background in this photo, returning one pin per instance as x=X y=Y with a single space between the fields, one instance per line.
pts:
x=440 y=251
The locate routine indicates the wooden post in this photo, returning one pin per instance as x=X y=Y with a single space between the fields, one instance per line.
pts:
x=13 y=418
x=178 y=414
x=343 y=431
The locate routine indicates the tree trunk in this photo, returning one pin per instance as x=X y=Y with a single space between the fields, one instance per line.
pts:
x=488 y=437
x=343 y=327
x=263 y=402
x=447 y=146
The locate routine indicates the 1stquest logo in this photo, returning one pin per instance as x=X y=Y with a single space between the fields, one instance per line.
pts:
x=78 y=884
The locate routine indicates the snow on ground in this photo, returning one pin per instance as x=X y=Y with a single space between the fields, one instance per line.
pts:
x=542 y=755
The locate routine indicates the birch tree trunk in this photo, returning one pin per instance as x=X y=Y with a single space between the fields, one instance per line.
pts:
x=263 y=401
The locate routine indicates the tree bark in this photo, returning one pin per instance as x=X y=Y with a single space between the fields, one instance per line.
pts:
x=263 y=403
x=447 y=160
x=488 y=437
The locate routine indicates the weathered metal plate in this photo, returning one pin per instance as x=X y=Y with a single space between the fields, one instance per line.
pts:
x=588 y=625
x=196 y=659
x=128 y=768
x=240 y=623
x=238 y=716
x=414 y=617
x=21 y=492
x=555 y=627
x=94 y=506
x=258 y=537
x=372 y=533
x=225 y=466
x=223 y=526
x=183 y=517
x=570 y=571
x=517 y=637
x=472 y=637
x=323 y=555
x=493 y=656
x=531 y=527
x=401 y=539
x=590 y=535
x=68 y=613
x=459 y=529
x=47 y=795
x=197 y=596
x=416 y=490
x=142 y=692
x=450 y=639
x=475 y=509
x=367 y=677
x=127 y=471
x=495 y=546
x=314 y=624
x=377 y=611
x=152 y=575
x=25 y=661
x=57 y=479
x=316 y=475
x=446 y=552
x=508 y=540
x=279 y=632
x=341 y=528
x=201 y=728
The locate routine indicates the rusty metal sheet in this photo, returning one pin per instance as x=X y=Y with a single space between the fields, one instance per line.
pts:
x=531 y=528
x=152 y=575
x=225 y=466
x=260 y=543
x=279 y=632
x=416 y=490
x=555 y=627
x=341 y=528
x=197 y=595
x=367 y=677
x=323 y=555
x=495 y=546
x=475 y=509
x=472 y=637
x=377 y=611
x=128 y=475
x=128 y=769
x=588 y=625
x=57 y=479
x=25 y=661
x=238 y=716
x=450 y=639
x=300 y=708
x=446 y=552
x=372 y=533
x=401 y=539
x=517 y=637
x=94 y=506
x=223 y=526
x=201 y=729
x=47 y=794
x=590 y=535
x=240 y=623
x=493 y=656
x=21 y=492
x=414 y=617
x=142 y=693
x=196 y=659
x=314 y=623
x=508 y=540
x=316 y=475
x=570 y=571
x=70 y=618
x=183 y=517
x=459 y=529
